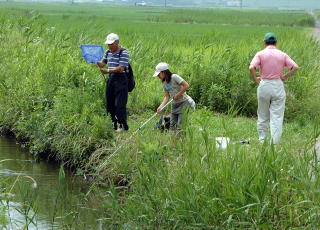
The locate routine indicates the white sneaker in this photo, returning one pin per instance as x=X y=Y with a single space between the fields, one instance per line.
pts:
x=119 y=130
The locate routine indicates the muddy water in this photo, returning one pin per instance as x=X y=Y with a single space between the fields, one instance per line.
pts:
x=36 y=197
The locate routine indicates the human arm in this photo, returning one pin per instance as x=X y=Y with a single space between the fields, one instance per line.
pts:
x=123 y=63
x=254 y=65
x=293 y=68
x=104 y=60
x=253 y=74
x=164 y=101
x=184 y=87
x=292 y=71
x=118 y=69
x=101 y=64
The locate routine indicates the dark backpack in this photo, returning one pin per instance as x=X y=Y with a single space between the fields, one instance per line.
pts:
x=131 y=82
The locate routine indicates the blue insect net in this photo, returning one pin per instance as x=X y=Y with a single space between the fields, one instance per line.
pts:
x=92 y=53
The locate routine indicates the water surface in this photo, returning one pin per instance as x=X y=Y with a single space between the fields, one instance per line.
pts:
x=34 y=194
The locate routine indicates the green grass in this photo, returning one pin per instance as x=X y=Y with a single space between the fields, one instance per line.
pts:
x=3 y=209
x=59 y=98
x=181 y=182
x=65 y=95
x=50 y=97
x=220 y=48
x=237 y=17
x=161 y=15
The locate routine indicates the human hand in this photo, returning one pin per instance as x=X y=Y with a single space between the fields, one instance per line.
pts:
x=100 y=64
x=104 y=71
x=159 y=109
x=257 y=80
x=284 y=78
x=176 y=97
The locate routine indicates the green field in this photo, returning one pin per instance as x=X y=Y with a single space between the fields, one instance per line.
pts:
x=52 y=99
x=213 y=16
x=271 y=4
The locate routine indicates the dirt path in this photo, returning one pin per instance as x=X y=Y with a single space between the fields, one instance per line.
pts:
x=317 y=26
x=317 y=30
x=317 y=35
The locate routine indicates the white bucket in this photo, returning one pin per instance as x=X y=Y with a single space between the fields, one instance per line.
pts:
x=222 y=142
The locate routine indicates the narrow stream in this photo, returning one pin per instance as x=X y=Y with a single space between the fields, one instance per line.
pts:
x=34 y=196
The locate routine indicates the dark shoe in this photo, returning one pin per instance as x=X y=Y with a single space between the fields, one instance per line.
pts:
x=125 y=127
x=115 y=126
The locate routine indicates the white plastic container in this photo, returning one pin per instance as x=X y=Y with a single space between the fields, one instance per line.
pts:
x=222 y=142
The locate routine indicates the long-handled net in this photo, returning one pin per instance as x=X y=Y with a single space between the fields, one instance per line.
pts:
x=92 y=53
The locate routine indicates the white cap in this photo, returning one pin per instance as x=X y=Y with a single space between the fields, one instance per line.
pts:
x=111 y=38
x=160 y=67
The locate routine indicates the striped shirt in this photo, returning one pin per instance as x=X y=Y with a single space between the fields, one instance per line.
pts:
x=114 y=59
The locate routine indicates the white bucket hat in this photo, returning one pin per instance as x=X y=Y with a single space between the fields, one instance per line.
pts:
x=160 y=67
x=111 y=38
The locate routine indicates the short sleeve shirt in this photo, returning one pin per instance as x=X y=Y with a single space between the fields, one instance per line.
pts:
x=115 y=59
x=173 y=87
x=272 y=62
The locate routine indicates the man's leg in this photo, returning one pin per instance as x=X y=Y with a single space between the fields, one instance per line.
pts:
x=110 y=102
x=277 y=108
x=264 y=98
x=120 y=106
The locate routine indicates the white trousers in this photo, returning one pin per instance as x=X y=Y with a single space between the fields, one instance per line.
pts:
x=271 y=106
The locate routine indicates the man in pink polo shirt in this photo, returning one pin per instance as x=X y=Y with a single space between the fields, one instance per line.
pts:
x=270 y=92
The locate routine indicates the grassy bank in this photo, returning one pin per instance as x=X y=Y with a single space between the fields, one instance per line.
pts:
x=171 y=182
x=163 y=181
x=50 y=97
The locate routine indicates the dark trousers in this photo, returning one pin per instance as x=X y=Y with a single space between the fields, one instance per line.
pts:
x=117 y=98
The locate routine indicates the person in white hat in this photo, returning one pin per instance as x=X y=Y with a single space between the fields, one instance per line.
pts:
x=175 y=87
x=116 y=94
